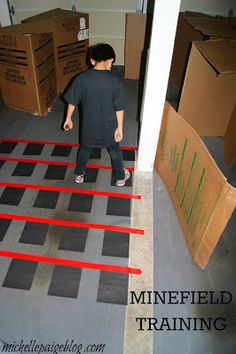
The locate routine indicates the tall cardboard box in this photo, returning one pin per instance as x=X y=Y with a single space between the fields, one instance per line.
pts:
x=27 y=73
x=194 y=27
x=208 y=99
x=203 y=199
x=70 y=32
x=134 y=44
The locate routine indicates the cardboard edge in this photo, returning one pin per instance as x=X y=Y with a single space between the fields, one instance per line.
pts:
x=223 y=209
x=200 y=46
x=230 y=140
x=218 y=221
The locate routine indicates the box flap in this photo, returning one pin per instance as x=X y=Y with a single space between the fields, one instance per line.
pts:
x=53 y=15
x=212 y=26
x=195 y=13
x=231 y=20
x=221 y=54
x=203 y=199
x=26 y=28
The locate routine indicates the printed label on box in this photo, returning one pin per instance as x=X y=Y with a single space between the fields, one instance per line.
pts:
x=83 y=34
x=82 y=23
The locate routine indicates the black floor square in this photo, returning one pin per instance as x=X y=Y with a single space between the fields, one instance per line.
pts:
x=73 y=239
x=46 y=199
x=34 y=233
x=4 y=224
x=113 y=288
x=115 y=244
x=128 y=183
x=80 y=202
x=24 y=169
x=55 y=172
x=118 y=206
x=33 y=149
x=7 y=147
x=1 y=163
x=12 y=196
x=20 y=274
x=95 y=154
x=128 y=155
x=65 y=281
x=61 y=150
x=91 y=175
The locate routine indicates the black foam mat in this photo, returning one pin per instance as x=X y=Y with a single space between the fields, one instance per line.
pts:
x=61 y=150
x=24 y=169
x=65 y=281
x=91 y=175
x=113 y=288
x=1 y=163
x=4 y=225
x=46 y=199
x=55 y=172
x=12 y=196
x=33 y=149
x=20 y=274
x=7 y=147
x=118 y=206
x=73 y=239
x=95 y=154
x=34 y=233
x=128 y=183
x=80 y=202
x=128 y=155
x=115 y=244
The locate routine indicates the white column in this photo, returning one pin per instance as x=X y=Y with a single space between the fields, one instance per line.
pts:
x=157 y=73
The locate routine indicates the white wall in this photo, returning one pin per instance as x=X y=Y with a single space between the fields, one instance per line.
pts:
x=211 y=7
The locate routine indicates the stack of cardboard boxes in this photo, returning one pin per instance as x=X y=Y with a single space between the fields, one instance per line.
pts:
x=204 y=71
x=40 y=57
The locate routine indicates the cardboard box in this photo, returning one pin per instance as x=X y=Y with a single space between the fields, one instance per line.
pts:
x=208 y=100
x=202 y=197
x=134 y=44
x=27 y=73
x=194 y=27
x=70 y=31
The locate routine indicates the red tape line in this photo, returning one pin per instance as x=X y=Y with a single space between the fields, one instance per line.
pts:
x=55 y=143
x=60 y=163
x=70 y=263
x=72 y=223
x=70 y=190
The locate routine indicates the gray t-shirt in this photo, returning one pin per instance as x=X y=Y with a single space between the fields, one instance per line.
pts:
x=101 y=94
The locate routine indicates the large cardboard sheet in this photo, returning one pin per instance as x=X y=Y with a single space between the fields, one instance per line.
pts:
x=203 y=199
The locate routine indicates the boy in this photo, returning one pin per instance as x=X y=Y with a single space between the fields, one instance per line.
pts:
x=101 y=95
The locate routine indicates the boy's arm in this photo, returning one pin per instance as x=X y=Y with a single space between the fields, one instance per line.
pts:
x=119 y=130
x=68 y=122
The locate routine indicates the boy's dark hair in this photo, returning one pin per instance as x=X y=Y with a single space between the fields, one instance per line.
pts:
x=102 y=52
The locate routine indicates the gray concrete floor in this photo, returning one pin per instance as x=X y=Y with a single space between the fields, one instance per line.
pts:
x=32 y=314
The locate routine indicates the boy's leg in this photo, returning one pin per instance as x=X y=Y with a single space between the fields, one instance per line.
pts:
x=116 y=161
x=82 y=159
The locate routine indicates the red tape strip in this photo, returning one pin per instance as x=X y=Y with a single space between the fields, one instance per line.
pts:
x=73 y=223
x=70 y=190
x=70 y=263
x=59 y=163
x=55 y=143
